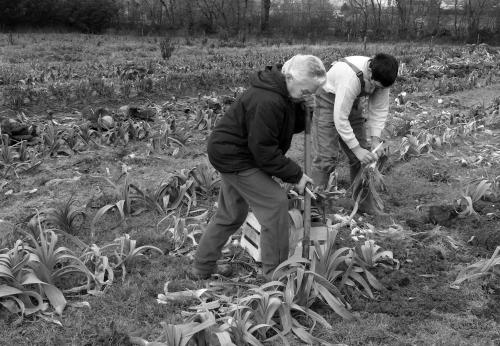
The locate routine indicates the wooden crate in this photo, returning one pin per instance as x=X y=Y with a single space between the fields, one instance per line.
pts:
x=250 y=238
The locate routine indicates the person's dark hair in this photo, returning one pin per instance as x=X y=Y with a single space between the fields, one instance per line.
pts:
x=384 y=69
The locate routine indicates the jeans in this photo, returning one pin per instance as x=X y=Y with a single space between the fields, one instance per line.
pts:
x=326 y=140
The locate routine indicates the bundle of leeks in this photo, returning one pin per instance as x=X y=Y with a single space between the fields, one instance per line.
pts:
x=367 y=184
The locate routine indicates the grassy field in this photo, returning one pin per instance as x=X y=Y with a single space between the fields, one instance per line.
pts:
x=442 y=198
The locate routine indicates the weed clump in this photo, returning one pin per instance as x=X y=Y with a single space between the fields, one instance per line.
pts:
x=166 y=48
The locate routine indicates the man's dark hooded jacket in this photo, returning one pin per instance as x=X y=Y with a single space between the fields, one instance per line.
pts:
x=257 y=130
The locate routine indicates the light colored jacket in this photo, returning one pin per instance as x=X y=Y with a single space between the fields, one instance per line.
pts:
x=343 y=82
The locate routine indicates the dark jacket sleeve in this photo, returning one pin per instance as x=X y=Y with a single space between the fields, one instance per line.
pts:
x=263 y=141
x=300 y=118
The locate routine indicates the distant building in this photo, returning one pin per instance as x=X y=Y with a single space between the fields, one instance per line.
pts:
x=450 y=4
x=339 y=3
x=445 y=4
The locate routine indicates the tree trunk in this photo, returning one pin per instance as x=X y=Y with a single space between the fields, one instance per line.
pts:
x=403 y=17
x=379 y=16
x=438 y=19
x=171 y=12
x=207 y=11
x=264 y=15
x=455 y=15
x=238 y=16
x=220 y=12
x=376 y=16
x=392 y=18
x=245 y=19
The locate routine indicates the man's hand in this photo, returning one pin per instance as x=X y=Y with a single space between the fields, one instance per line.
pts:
x=310 y=101
x=300 y=186
x=363 y=155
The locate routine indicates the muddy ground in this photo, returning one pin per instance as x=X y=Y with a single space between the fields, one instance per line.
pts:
x=417 y=306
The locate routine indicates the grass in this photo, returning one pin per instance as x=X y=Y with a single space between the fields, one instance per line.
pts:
x=417 y=307
x=74 y=58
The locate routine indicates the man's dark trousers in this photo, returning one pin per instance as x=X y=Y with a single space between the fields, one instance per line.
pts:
x=268 y=201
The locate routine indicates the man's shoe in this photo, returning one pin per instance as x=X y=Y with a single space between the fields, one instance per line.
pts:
x=195 y=274
x=222 y=269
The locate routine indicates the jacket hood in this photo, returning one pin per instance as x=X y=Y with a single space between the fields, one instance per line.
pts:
x=270 y=79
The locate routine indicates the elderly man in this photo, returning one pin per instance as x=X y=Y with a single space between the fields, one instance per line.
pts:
x=248 y=148
x=338 y=118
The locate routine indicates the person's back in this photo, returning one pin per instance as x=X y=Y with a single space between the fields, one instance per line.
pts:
x=342 y=75
x=264 y=118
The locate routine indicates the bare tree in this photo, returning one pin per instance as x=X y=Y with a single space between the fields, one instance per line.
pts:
x=170 y=8
x=405 y=9
x=435 y=15
x=208 y=11
x=398 y=18
x=473 y=13
x=455 y=16
x=376 y=6
x=264 y=15
x=361 y=7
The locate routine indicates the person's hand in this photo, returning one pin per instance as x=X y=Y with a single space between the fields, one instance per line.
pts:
x=363 y=155
x=300 y=186
x=310 y=101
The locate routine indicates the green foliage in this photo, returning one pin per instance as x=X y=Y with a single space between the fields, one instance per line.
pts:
x=127 y=251
x=124 y=204
x=371 y=255
x=121 y=206
x=484 y=268
x=411 y=147
x=340 y=267
x=181 y=334
x=265 y=305
x=101 y=269
x=31 y=273
x=7 y=154
x=86 y=133
x=49 y=264
x=64 y=216
x=15 y=295
x=53 y=141
x=102 y=262
x=242 y=328
x=472 y=194
x=304 y=287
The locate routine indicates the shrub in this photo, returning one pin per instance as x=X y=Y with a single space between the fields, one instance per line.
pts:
x=166 y=48
x=91 y=16
x=86 y=15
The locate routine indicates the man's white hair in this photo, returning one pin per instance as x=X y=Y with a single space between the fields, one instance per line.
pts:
x=302 y=67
